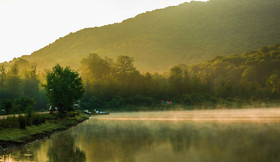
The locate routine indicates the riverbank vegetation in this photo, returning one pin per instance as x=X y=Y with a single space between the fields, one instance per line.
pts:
x=12 y=133
x=64 y=87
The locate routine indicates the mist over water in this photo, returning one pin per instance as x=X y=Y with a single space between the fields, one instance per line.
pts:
x=234 y=115
x=205 y=135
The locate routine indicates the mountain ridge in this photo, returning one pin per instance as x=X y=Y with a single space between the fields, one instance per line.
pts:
x=189 y=33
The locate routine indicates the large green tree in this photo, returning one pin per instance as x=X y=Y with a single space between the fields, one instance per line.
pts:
x=64 y=87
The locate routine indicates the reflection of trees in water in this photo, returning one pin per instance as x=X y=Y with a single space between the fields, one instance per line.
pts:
x=118 y=142
x=122 y=141
x=178 y=136
x=228 y=142
x=62 y=149
x=22 y=153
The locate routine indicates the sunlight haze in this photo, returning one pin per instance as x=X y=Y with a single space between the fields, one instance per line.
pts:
x=29 y=25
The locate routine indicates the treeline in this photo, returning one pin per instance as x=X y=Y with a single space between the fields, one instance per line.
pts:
x=20 y=89
x=246 y=78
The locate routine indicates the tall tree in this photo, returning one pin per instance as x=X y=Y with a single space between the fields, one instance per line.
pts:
x=176 y=78
x=124 y=66
x=94 y=67
x=31 y=85
x=64 y=87
x=2 y=76
x=13 y=83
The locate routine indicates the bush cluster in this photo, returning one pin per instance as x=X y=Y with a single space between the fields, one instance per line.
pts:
x=22 y=121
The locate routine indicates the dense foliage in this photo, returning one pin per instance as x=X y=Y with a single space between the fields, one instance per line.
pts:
x=20 y=88
x=64 y=88
x=249 y=77
x=189 y=33
x=22 y=121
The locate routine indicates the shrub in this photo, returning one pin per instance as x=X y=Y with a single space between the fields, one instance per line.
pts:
x=114 y=103
x=28 y=114
x=197 y=98
x=117 y=101
x=22 y=122
x=49 y=116
x=7 y=105
x=186 y=99
x=38 y=119
x=142 y=100
x=11 y=122
x=73 y=113
x=21 y=104
x=2 y=124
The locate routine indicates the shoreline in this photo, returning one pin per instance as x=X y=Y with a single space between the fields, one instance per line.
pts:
x=60 y=125
x=182 y=107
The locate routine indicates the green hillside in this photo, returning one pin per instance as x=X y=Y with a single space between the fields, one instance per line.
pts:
x=188 y=33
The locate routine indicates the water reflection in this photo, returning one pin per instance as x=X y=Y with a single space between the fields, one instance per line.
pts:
x=24 y=154
x=120 y=142
x=59 y=148
x=157 y=141
x=165 y=141
x=62 y=149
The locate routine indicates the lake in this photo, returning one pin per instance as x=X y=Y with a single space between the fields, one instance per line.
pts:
x=176 y=136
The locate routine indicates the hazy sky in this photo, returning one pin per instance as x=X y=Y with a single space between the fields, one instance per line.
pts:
x=28 y=25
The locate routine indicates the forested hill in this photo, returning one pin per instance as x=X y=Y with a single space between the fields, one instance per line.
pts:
x=254 y=66
x=188 y=33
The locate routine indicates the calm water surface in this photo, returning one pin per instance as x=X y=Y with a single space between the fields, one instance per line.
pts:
x=196 y=136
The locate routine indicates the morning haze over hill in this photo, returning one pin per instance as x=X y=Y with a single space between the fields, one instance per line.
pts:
x=186 y=83
x=189 y=33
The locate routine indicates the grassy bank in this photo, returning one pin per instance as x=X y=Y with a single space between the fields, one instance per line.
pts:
x=16 y=136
